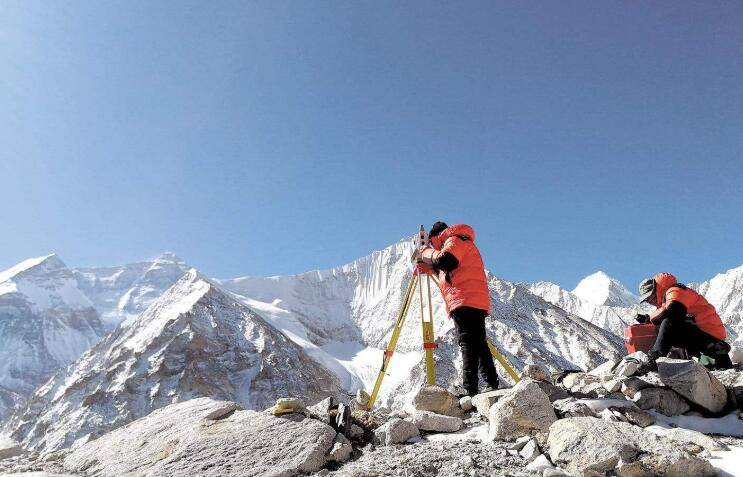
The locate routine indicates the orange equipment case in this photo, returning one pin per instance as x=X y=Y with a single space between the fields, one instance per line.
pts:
x=640 y=337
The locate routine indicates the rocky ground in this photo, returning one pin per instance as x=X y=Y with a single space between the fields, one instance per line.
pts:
x=618 y=419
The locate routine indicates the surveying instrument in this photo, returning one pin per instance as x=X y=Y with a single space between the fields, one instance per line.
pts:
x=418 y=282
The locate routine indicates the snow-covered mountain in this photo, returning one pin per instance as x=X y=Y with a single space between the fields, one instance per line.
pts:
x=46 y=322
x=602 y=290
x=598 y=298
x=343 y=318
x=195 y=340
x=123 y=292
x=725 y=292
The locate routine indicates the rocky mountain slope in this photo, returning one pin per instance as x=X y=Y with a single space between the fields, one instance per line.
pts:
x=195 y=340
x=725 y=292
x=46 y=322
x=123 y=292
x=343 y=318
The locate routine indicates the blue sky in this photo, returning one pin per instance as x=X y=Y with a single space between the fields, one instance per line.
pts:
x=259 y=138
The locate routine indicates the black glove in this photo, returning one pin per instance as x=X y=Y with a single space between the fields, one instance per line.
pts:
x=642 y=318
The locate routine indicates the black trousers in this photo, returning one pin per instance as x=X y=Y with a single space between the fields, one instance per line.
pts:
x=470 y=326
x=682 y=333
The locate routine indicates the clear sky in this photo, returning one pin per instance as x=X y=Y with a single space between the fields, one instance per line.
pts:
x=261 y=138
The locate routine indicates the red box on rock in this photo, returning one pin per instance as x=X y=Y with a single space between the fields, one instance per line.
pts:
x=640 y=337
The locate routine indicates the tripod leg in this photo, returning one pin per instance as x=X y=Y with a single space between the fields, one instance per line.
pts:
x=429 y=343
x=496 y=354
x=389 y=351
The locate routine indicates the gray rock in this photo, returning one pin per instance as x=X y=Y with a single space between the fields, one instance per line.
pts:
x=590 y=446
x=362 y=398
x=541 y=463
x=613 y=385
x=687 y=436
x=432 y=422
x=553 y=392
x=395 y=431
x=736 y=355
x=341 y=450
x=465 y=403
x=484 y=401
x=691 y=380
x=630 y=364
x=732 y=379
x=665 y=401
x=355 y=432
x=535 y=372
x=633 y=384
x=178 y=441
x=572 y=407
x=572 y=379
x=530 y=451
x=222 y=411
x=635 y=416
x=437 y=399
x=524 y=410
x=322 y=409
x=604 y=369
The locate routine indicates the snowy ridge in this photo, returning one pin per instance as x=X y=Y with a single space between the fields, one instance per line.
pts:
x=193 y=341
x=602 y=290
x=725 y=292
x=123 y=292
x=46 y=322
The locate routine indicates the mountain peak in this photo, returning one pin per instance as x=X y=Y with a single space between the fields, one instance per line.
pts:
x=48 y=262
x=168 y=257
x=601 y=289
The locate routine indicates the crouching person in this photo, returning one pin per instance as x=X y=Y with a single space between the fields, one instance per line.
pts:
x=685 y=320
x=461 y=277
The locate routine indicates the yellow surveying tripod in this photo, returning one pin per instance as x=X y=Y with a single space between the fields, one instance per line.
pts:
x=429 y=342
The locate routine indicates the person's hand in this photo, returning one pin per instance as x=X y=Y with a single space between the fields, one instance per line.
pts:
x=423 y=268
x=642 y=318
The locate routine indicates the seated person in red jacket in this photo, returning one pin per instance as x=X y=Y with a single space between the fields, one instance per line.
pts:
x=457 y=262
x=685 y=320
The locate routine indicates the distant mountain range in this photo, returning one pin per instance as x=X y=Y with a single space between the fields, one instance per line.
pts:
x=163 y=333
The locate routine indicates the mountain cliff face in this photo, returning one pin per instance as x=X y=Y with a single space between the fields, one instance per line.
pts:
x=46 y=322
x=123 y=292
x=344 y=317
x=725 y=292
x=195 y=340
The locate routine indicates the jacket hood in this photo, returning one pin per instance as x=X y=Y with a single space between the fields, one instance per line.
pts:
x=663 y=281
x=458 y=229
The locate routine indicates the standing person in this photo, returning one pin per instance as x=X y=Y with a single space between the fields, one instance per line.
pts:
x=454 y=257
x=685 y=320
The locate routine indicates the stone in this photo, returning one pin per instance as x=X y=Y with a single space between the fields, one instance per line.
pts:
x=437 y=399
x=524 y=410
x=571 y=379
x=613 y=385
x=691 y=380
x=432 y=422
x=395 y=431
x=355 y=432
x=223 y=411
x=178 y=441
x=362 y=398
x=609 y=414
x=635 y=416
x=736 y=355
x=341 y=450
x=631 y=363
x=604 y=369
x=535 y=372
x=665 y=401
x=530 y=451
x=687 y=436
x=732 y=379
x=519 y=443
x=552 y=472
x=484 y=401
x=553 y=392
x=590 y=447
x=322 y=409
x=465 y=402
x=572 y=407
x=637 y=383
x=541 y=463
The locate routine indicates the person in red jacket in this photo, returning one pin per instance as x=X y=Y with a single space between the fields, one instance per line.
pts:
x=454 y=257
x=685 y=320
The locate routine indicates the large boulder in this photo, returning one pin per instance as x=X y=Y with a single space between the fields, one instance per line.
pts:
x=484 y=401
x=637 y=383
x=437 y=399
x=732 y=379
x=572 y=407
x=395 y=431
x=526 y=409
x=691 y=380
x=178 y=441
x=665 y=401
x=432 y=422
x=590 y=447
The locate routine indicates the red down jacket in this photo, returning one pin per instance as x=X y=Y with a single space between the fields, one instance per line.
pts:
x=466 y=284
